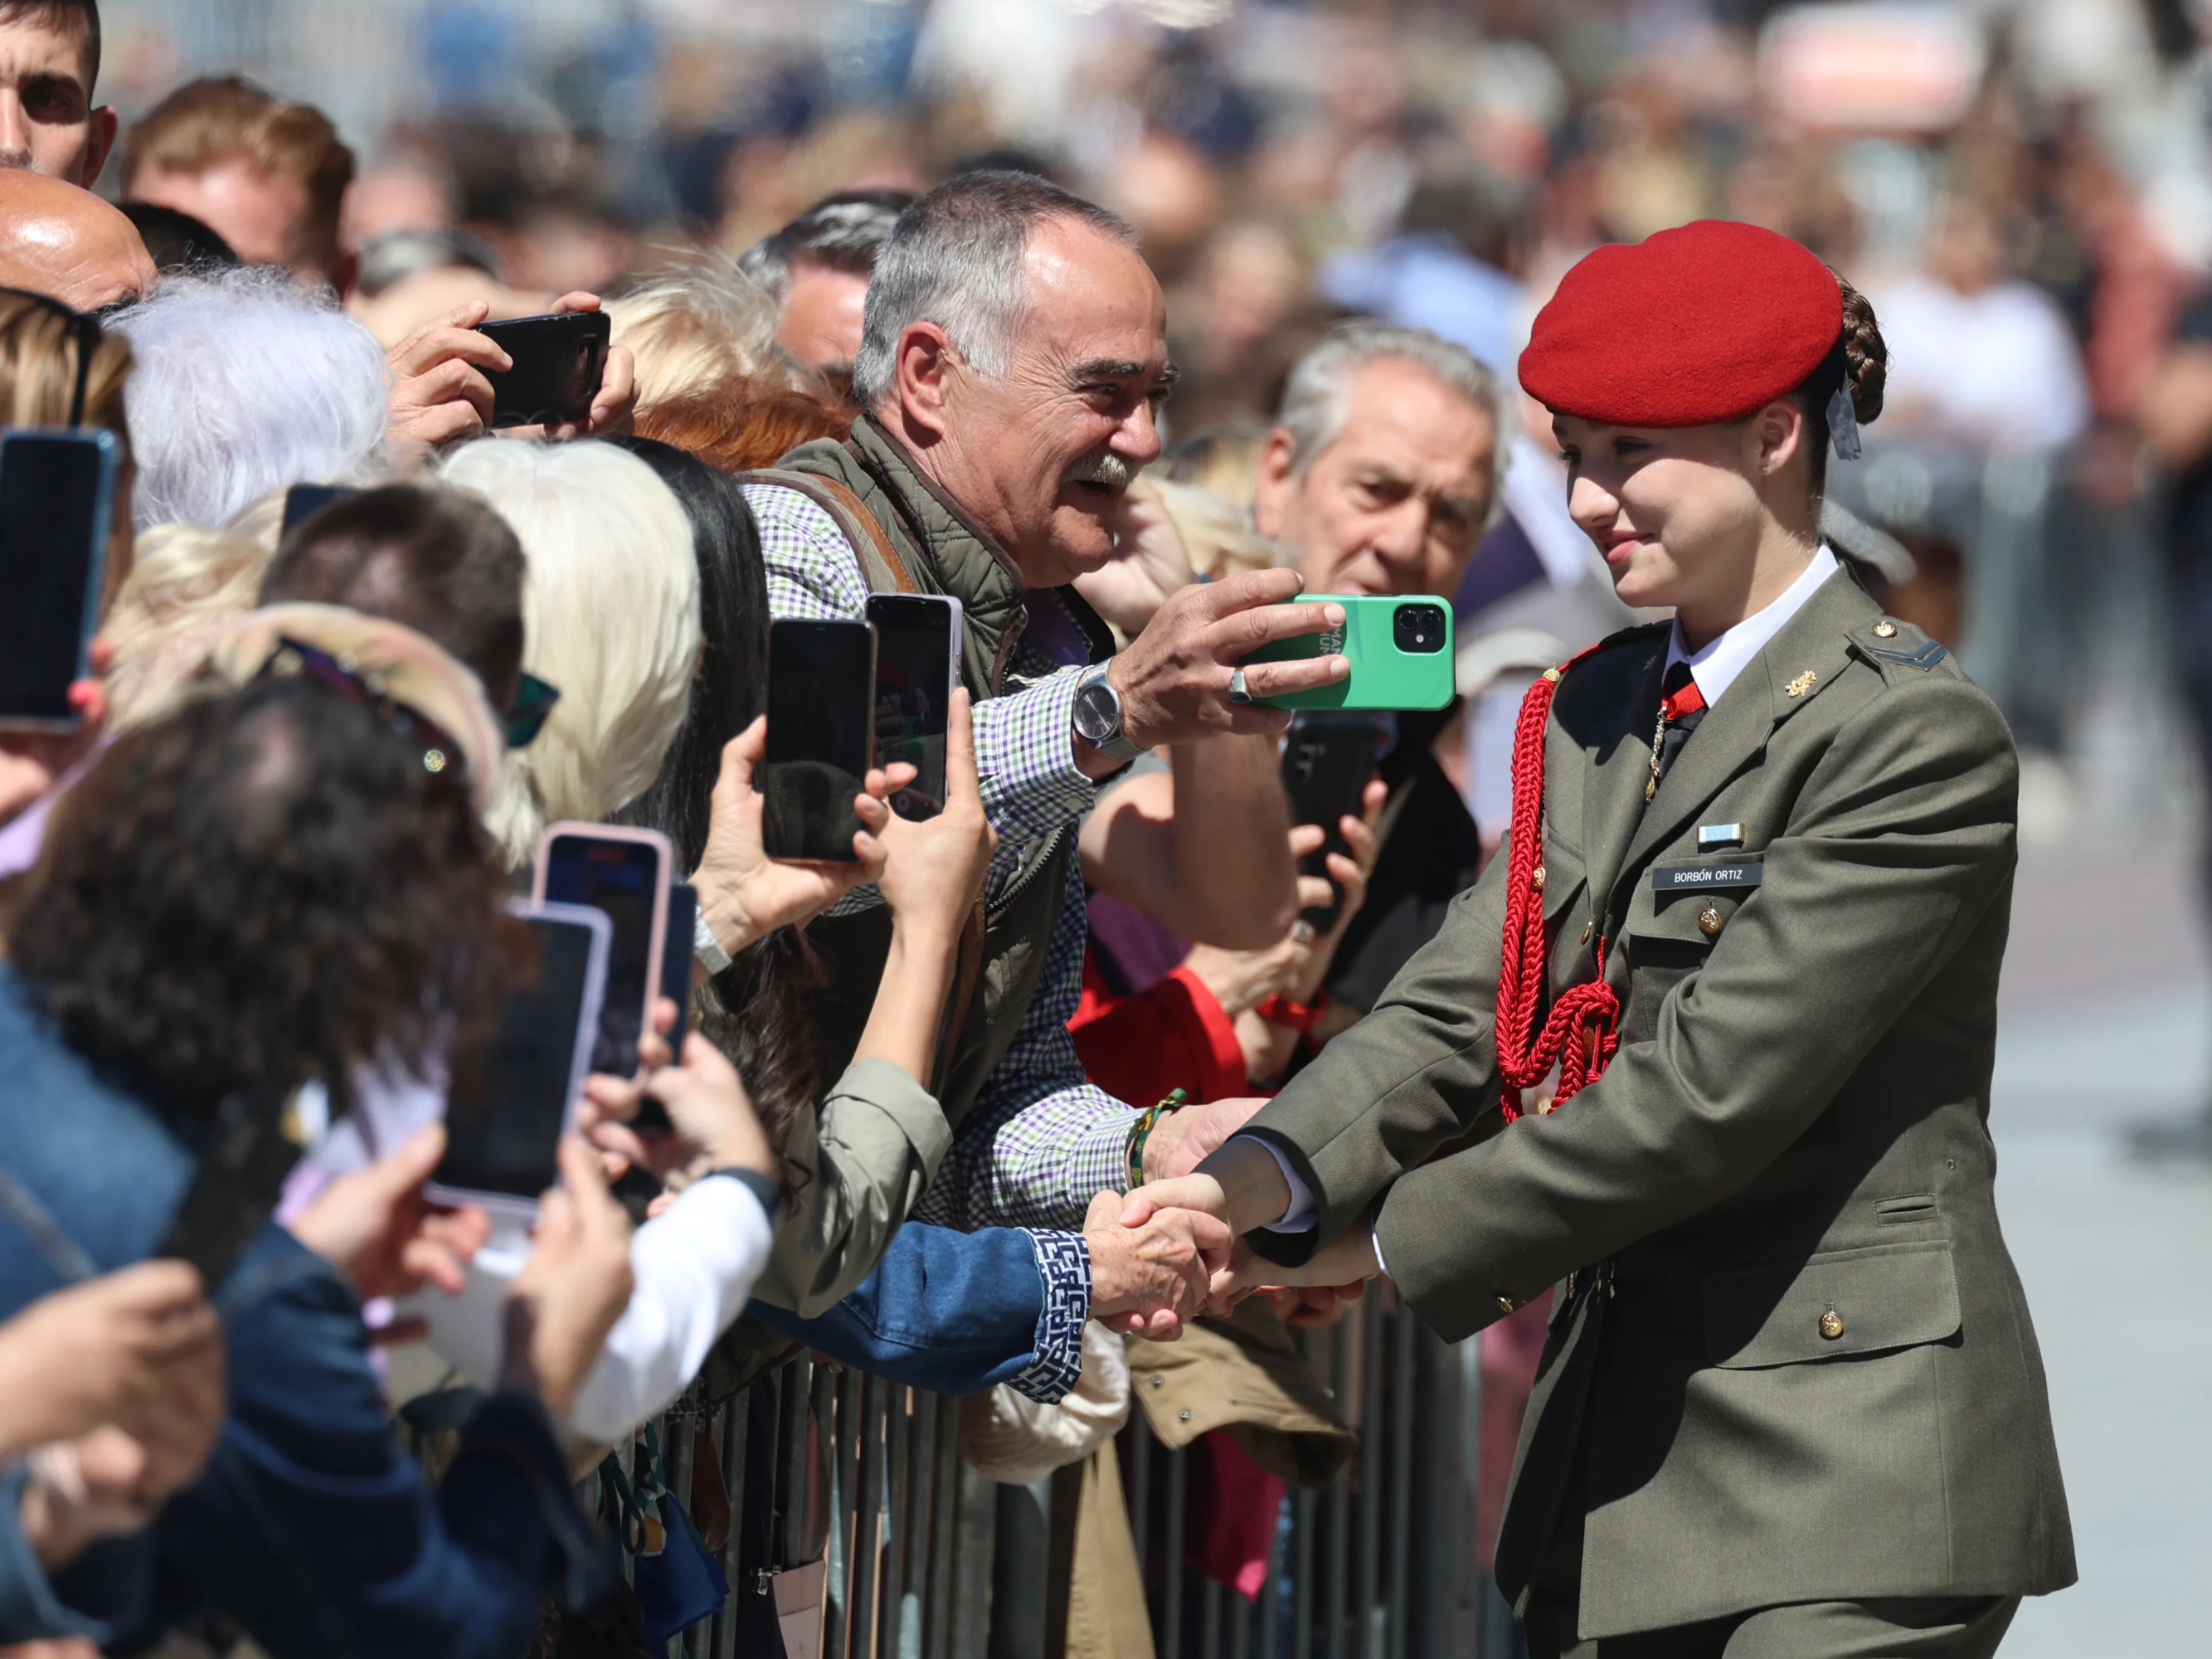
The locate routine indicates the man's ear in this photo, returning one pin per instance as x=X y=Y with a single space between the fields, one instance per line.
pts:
x=98 y=140
x=1274 y=483
x=922 y=368
x=345 y=272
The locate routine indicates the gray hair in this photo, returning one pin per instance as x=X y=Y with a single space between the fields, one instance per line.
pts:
x=846 y=232
x=956 y=260
x=1319 y=391
x=244 y=382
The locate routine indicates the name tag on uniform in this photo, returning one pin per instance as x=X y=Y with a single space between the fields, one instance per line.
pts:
x=1736 y=878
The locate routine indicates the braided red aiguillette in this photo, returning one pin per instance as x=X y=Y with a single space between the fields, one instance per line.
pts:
x=1590 y=1010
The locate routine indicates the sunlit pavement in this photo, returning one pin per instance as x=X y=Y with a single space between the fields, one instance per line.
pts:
x=2107 y=1021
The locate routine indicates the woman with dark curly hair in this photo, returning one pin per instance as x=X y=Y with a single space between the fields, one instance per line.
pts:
x=285 y=882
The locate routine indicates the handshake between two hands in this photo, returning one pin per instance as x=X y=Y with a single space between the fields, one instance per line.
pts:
x=1170 y=1249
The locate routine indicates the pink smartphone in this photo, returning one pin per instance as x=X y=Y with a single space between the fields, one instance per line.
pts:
x=623 y=874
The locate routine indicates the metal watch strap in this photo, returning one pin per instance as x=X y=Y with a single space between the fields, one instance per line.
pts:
x=1118 y=748
x=705 y=947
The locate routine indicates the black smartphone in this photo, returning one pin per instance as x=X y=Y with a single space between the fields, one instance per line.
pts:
x=1329 y=754
x=302 y=502
x=623 y=874
x=821 y=721
x=558 y=360
x=57 y=495
x=917 y=670
x=509 y=1102
x=235 y=1185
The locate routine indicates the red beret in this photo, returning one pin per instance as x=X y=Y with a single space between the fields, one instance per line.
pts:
x=1689 y=327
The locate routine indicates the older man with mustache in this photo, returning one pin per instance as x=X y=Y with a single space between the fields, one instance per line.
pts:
x=1011 y=367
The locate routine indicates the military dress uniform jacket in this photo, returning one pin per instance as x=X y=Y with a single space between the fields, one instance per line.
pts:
x=1789 y=1358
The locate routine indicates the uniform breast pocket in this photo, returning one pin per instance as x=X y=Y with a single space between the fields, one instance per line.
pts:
x=1690 y=906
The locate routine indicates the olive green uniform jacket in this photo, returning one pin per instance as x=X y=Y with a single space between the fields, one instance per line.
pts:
x=1789 y=1358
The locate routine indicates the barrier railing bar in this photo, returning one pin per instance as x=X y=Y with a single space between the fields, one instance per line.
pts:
x=1401 y=1485
x=1170 y=1640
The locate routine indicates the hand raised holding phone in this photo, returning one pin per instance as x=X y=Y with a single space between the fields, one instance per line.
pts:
x=934 y=868
x=744 y=894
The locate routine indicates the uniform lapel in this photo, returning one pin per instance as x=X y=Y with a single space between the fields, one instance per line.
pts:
x=1809 y=653
x=1612 y=797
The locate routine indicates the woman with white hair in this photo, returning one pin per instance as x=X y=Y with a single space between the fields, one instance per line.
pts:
x=246 y=383
x=611 y=616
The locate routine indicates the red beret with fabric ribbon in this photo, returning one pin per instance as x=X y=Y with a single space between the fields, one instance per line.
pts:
x=1687 y=327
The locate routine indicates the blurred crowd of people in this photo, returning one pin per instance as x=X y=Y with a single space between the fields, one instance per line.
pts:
x=910 y=305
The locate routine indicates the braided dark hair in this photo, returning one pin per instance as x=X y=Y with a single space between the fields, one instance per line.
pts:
x=1861 y=357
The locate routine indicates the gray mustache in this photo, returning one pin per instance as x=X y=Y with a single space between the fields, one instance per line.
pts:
x=1106 y=468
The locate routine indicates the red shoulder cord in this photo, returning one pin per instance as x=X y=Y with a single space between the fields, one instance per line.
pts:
x=1587 y=1011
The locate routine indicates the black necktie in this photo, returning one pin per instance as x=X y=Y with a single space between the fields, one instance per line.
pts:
x=1684 y=706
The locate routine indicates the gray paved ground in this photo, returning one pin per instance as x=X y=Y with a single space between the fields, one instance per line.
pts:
x=2107 y=1020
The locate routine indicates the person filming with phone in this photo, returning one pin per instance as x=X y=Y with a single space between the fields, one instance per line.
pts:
x=194 y=949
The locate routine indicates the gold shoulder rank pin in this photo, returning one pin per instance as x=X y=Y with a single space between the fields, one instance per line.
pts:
x=1801 y=685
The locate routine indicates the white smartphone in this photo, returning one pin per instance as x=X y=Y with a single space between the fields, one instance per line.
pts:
x=917 y=671
x=508 y=1105
x=624 y=874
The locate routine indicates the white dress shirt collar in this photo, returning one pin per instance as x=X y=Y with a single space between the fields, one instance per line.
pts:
x=1716 y=664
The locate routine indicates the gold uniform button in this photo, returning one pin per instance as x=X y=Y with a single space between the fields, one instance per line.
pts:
x=1709 y=921
x=1536 y=877
x=1831 y=1325
x=1885 y=631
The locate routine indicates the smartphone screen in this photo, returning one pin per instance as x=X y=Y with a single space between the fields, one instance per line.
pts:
x=821 y=716
x=623 y=880
x=302 y=502
x=1327 y=758
x=55 y=490
x=558 y=360
x=508 y=1105
x=917 y=655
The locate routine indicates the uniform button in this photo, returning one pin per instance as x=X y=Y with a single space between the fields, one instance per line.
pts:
x=1536 y=877
x=1159 y=1381
x=1831 y=1325
x=1586 y=931
x=1184 y=1416
x=1506 y=1304
x=1885 y=629
x=1709 y=921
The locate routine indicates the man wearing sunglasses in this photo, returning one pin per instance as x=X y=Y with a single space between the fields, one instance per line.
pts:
x=49 y=60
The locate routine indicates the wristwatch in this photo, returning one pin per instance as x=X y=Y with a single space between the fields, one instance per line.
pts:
x=1098 y=716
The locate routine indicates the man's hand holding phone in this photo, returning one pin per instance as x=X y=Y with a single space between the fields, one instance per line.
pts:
x=1175 y=679
x=442 y=390
x=743 y=894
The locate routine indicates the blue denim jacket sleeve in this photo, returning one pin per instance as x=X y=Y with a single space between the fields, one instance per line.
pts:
x=957 y=1313
x=314 y=1530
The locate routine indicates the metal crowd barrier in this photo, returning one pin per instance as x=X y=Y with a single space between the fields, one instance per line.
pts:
x=922 y=1558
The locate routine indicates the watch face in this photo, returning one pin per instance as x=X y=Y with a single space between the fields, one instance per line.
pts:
x=1098 y=711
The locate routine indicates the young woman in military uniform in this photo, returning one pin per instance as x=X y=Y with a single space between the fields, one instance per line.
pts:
x=1753 y=911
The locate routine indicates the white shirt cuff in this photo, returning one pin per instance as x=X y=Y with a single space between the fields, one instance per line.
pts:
x=1305 y=1214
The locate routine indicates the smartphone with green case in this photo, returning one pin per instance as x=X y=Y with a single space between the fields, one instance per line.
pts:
x=1401 y=652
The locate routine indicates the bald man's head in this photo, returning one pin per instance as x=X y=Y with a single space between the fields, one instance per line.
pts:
x=60 y=240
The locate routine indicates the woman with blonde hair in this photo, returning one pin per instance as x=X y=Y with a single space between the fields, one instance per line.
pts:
x=611 y=617
x=703 y=330
x=187 y=584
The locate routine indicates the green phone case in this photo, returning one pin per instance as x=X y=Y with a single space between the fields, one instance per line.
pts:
x=1383 y=676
